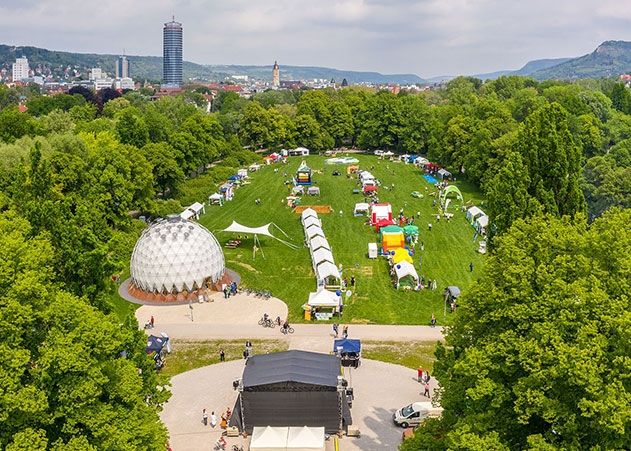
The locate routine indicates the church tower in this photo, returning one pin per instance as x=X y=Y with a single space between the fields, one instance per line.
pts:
x=276 y=75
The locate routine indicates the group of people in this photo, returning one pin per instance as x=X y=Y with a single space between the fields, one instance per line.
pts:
x=424 y=378
x=336 y=330
x=230 y=290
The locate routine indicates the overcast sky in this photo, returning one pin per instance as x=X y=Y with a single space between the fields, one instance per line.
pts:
x=425 y=37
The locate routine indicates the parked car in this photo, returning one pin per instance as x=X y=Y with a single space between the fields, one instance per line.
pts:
x=415 y=413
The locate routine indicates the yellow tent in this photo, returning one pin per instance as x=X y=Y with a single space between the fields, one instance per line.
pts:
x=401 y=254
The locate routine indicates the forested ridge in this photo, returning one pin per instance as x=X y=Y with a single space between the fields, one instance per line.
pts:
x=552 y=159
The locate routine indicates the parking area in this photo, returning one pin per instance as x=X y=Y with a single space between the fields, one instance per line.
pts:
x=379 y=389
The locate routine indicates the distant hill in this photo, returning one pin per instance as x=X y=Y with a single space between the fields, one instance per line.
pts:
x=72 y=65
x=610 y=59
x=528 y=69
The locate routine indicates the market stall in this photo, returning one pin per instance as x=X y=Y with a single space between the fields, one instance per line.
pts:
x=349 y=351
x=406 y=275
x=323 y=304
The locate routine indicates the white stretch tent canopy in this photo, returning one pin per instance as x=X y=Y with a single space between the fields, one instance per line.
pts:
x=324 y=298
x=235 y=227
x=314 y=231
x=322 y=255
x=306 y=439
x=308 y=212
x=404 y=269
x=326 y=270
x=311 y=220
x=269 y=438
x=319 y=243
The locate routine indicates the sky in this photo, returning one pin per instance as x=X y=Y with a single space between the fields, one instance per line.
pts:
x=425 y=37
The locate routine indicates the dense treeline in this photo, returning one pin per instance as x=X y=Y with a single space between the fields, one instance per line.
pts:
x=76 y=168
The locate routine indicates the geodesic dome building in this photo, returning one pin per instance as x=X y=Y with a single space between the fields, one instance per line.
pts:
x=175 y=255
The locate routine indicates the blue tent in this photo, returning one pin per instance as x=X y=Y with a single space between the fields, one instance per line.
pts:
x=233 y=178
x=156 y=343
x=347 y=345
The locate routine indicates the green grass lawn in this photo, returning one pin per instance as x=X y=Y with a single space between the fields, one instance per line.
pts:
x=449 y=247
x=188 y=355
x=412 y=354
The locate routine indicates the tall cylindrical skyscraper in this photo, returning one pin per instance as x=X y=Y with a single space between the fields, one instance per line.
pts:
x=172 y=52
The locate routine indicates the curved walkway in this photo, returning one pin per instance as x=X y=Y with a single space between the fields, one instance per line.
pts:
x=380 y=388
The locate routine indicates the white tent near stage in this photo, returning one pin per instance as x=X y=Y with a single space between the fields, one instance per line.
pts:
x=306 y=439
x=310 y=221
x=269 y=438
x=319 y=243
x=216 y=199
x=308 y=212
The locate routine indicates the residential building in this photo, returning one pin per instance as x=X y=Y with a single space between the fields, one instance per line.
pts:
x=96 y=73
x=122 y=67
x=102 y=83
x=21 y=69
x=172 y=53
x=276 y=75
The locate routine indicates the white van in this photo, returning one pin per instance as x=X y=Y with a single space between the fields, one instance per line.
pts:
x=415 y=413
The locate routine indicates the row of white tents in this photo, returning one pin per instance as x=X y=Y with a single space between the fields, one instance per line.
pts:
x=327 y=274
x=287 y=438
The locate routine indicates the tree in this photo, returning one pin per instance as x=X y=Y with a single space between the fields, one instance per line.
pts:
x=537 y=356
x=167 y=174
x=309 y=134
x=70 y=376
x=621 y=98
x=552 y=160
x=417 y=122
x=131 y=128
x=14 y=124
x=381 y=122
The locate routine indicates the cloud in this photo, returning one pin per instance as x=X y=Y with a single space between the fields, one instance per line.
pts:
x=427 y=37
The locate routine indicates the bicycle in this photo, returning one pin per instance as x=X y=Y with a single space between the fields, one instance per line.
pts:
x=266 y=322
x=289 y=330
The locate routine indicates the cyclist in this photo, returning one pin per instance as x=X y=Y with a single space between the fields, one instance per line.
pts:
x=285 y=326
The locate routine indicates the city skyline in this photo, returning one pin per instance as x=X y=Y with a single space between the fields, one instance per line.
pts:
x=428 y=37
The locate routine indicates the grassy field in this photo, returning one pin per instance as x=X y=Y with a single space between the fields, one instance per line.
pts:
x=449 y=247
x=412 y=354
x=188 y=355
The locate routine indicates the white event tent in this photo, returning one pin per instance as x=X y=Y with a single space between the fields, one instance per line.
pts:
x=269 y=438
x=305 y=439
x=311 y=220
x=308 y=212
x=321 y=255
x=405 y=269
x=319 y=243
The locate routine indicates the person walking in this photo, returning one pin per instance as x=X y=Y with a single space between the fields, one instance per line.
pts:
x=419 y=374
x=433 y=320
x=426 y=390
x=471 y=267
x=213 y=419
x=429 y=226
x=352 y=281
x=345 y=332
x=222 y=355
x=204 y=417
x=335 y=330
x=152 y=321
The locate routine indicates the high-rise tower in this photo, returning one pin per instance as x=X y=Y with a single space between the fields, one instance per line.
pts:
x=276 y=75
x=122 y=67
x=172 y=52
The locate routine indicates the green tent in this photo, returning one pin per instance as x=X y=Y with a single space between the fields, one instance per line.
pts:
x=391 y=229
x=410 y=230
x=451 y=189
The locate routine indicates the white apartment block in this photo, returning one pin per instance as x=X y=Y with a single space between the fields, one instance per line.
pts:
x=20 y=69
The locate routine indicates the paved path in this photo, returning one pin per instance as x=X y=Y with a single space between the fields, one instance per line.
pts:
x=238 y=317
